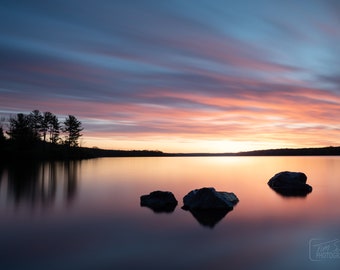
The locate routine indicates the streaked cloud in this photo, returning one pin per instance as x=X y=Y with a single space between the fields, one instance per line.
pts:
x=229 y=75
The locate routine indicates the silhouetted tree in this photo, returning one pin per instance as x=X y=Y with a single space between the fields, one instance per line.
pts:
x=2 y=136
x=54 y=129
x=72 y=126
x=28 y=134
x=45 y=124
x=35 y=121
x=50 y=124
x=21 y=129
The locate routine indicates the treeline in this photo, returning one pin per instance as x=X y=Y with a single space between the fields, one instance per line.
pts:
x=320 y=151
x=39 y=135
x=42 y=136
x=37 y=126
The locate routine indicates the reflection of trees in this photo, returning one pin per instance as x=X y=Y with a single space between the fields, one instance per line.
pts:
x=1 y=174
x=39 y=183
x=71 y=176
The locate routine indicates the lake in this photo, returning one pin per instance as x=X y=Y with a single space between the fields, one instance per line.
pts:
x=87 y=215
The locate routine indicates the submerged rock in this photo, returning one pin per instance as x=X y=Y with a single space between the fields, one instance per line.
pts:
x=159 y=201
x=208 y=198
x=290 y=184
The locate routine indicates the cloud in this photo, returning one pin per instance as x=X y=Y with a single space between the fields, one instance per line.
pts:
x=150 y=69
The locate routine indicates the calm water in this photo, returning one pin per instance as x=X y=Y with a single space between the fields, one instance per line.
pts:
x=87 y=215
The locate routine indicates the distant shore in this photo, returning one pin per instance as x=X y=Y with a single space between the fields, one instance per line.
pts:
x=48 y=151
x=321 y=151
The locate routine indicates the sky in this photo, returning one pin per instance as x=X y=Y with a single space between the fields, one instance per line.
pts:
x=177 y=76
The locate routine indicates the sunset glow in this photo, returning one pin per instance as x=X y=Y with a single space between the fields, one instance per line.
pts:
x=177 y=76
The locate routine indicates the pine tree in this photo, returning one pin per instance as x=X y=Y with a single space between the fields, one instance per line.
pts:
x=50 y=124
x=2 y=136
x=73 y=128
x=54 y=129
x=35 y=119
x=45 y=124
x=21 y=129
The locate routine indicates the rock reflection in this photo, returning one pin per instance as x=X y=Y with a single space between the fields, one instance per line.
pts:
x=292 y=193
x=161 y=209
x=39 y=183
x=209 y=218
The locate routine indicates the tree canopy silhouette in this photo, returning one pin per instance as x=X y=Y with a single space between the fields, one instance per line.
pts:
x=2 y=136
x=50 y=125
x=73 y=128
x=24 y=129
x=40 y=136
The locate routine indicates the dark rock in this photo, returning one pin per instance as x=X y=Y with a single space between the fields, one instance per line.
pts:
x=159 y=201
x=209 y=198
x=290 y=184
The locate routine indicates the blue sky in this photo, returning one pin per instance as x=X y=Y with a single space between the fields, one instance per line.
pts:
x=194 y=76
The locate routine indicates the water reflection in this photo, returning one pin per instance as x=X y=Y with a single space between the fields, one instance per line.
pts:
x=71 y=169
x=209 y=218
x=107 y=228
x=160 y=209
x=39 y=183
x=291 y=193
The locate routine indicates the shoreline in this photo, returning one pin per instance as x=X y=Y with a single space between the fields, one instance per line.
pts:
x=48 y=151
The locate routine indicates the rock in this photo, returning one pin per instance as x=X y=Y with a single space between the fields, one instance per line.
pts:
x=159 y=201
x=290 y=184
x=208 y=198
